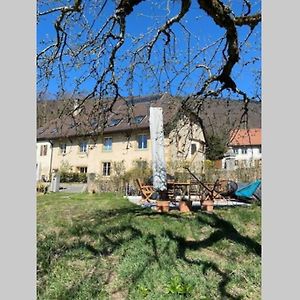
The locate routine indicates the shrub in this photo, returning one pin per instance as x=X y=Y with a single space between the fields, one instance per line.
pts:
x=140 y=169
x=42 y=187
x=73 y=177
x=238 y=175
x=216 y=147
x=117 y=177
x=177 y=168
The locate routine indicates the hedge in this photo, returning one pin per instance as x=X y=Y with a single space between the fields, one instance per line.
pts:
x=73 y=177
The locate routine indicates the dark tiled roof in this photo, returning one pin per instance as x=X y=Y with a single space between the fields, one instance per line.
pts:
x=90 y=121
x=218 y=116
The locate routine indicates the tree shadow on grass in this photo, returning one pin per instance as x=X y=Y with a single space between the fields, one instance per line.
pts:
x=106 y=249
x=117 y=235
x=224 y=230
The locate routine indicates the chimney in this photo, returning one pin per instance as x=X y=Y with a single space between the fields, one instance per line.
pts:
x=76 y=108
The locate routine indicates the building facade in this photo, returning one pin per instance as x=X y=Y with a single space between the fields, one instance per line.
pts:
x=245 y=148
x=125 y=139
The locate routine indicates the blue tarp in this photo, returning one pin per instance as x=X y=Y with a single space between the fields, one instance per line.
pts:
x=248 y=190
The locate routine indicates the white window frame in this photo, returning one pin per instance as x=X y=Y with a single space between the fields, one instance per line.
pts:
x=114 y=122
x=143 y=142
x=106 y=168
x=85 y=149
x=104 y=146
x=79 y=169
x=42 y=150
x=136 y=118
x=244 y=150
x=63 y=150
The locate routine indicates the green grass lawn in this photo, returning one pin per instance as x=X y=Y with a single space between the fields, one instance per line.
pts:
x=103 y=247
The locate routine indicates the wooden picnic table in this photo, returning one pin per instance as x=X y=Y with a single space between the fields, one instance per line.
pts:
x=176 y=186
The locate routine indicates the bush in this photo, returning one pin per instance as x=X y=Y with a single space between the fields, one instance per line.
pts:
x=178 y=169
x=237 y=175
x=120 y=180
x=140 y=169
x=73 y=177
x=42 y=187
x=216 y=147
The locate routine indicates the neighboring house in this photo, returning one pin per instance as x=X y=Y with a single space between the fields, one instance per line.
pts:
x=94 y=137
x=245 y=145
x=43 y=159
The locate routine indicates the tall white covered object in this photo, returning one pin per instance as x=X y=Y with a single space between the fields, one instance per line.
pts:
x=158 y=151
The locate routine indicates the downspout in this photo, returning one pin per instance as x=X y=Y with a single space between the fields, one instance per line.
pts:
x=51 y=157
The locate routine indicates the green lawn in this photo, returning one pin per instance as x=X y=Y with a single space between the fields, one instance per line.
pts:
x=103 y=247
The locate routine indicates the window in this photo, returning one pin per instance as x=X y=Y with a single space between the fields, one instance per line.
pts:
x=94 y=123
x=235 y=150
x=142 y=141
x=114 y=122
x=43 y=150
x=141 y=164
x=72 y=125
x=259 y=149
x=82 y=169
x=83 y=147
x=193 y=149
x=106 y=169
x=54 y=130
x=107 y=144
x=138 y=119
x=41 y=130
x=244 y=150
x=63 y=148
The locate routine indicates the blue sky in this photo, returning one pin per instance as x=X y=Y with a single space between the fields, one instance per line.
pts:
x=202 y=30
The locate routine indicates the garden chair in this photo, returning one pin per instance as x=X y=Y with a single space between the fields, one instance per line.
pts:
x=210 y=192
x=146 y=190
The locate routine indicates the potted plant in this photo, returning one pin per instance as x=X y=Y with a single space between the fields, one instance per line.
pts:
x=162 y=203
x=208 y=205
x=185 y=205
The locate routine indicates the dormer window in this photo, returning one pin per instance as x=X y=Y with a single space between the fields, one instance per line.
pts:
x=54 y=130
x=72 y=125
x=114 y=122
x=138 y=119
x=94 y=123
x=41 y=130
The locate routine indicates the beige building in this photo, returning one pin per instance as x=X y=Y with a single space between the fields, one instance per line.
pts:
x=94 y=138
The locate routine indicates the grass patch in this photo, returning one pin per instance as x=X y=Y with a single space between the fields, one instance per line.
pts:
x=103 y=247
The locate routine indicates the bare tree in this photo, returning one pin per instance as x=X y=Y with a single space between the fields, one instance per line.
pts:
x=100 y=48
